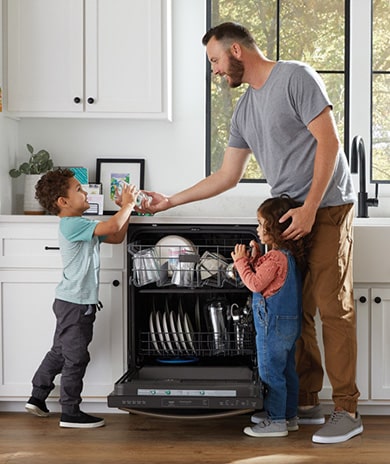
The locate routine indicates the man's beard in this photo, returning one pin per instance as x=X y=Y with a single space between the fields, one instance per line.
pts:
x=235 y=72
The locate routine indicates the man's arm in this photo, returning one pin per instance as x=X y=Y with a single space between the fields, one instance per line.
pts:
x=233 y=167
x=324 y=130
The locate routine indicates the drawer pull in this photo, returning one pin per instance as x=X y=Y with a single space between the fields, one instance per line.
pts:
x=362 y=299
x=51 y=248
x=116 y=283
x=377 y=299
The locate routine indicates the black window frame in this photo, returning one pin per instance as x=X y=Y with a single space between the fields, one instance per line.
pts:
x=347 y=29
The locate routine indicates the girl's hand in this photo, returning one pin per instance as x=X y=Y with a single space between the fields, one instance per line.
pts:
x=255 y=249
x=239 y=252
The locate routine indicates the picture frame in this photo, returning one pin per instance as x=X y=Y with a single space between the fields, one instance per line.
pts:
x=110 y=171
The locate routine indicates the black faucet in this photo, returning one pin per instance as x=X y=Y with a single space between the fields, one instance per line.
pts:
x=358 y=153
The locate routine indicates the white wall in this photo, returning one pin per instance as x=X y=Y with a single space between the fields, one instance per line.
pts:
x=8 y=144
x=174 y=151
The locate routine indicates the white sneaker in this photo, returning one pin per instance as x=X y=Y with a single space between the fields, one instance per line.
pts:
x=340 y=427
x=292 y=424
x=267 y=428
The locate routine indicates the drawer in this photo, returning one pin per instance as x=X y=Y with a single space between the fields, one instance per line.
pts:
x=32 y=245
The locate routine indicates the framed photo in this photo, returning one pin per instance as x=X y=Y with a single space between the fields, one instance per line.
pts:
x=111 y=171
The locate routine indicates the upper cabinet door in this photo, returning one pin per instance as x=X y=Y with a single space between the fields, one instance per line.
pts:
x=45 y=55
x=123 y=56
x=83 y=58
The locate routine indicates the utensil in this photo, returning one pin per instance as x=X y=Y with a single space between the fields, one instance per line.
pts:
x=216 y=315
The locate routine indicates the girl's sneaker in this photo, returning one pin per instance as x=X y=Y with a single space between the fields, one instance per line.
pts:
x=267 y=428
x=292 y=424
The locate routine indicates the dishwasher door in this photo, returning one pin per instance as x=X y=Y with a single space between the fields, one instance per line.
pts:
x=191 y=340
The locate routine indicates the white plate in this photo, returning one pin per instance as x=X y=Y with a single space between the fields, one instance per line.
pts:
x=189 y=332
x=180 y=333
x=166 y=331
x=172 y=245
x=160 y=331
x=153 y=333
x=174 y=331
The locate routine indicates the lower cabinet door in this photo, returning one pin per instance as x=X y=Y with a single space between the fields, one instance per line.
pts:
x=28 y=325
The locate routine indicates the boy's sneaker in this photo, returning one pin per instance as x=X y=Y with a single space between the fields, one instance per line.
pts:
x=37 y=407
x=80 y=420
x=292 y=424
x=267 y=428
x=340 y=427
x=311 y=416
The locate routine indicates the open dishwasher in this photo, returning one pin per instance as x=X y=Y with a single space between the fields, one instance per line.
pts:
x=191 y=339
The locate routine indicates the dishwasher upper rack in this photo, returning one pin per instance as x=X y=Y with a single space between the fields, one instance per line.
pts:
x=200 y=266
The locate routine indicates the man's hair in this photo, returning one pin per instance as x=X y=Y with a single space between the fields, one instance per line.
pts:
x=230 y=32
x=51 y=186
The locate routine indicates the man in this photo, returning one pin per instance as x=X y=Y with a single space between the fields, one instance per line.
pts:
x=285 y=118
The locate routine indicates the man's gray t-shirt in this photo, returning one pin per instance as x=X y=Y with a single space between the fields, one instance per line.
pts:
x=272 y=121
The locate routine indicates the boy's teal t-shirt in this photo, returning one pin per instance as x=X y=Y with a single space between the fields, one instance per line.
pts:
x=80 y=252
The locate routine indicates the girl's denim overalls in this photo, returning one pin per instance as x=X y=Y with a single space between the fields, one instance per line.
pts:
x=277 y=322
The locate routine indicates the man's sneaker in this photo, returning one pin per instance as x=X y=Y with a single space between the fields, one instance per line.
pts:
x=292 y=424
x=267 y=428
x=340 y=427
x=37 y=407
x=311 y=416
x=80 y=421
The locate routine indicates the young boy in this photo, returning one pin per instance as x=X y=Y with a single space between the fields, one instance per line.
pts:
x=76 y=297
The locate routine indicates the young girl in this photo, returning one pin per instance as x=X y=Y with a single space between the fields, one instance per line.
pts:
x=275 y=280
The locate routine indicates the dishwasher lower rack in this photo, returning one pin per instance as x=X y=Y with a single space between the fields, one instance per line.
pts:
x=185 y=345
x=188 y=388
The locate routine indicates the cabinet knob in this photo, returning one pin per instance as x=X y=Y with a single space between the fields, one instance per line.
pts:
x=77 y=99
x=116 y=283
x=377 y=299
x=362 y=299
x=91 y=100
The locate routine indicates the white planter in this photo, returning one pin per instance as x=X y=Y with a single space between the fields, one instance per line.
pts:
x=30 y=203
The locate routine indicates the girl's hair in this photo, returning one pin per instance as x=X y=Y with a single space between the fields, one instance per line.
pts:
x=271 y=210
x=51 y=186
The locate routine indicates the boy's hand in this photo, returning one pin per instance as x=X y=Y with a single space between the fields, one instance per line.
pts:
x=127 y=196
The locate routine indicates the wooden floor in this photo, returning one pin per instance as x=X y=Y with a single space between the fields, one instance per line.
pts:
x=135 y=439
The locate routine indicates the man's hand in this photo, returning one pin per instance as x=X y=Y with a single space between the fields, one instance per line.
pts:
x=302 y=222
x=158 y=202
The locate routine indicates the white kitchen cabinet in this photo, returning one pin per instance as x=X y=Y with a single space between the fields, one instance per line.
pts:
x=79 y=58
x=380 y=343
x=28 y=277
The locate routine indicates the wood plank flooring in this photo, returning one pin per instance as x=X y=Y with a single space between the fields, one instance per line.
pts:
x=136 y=439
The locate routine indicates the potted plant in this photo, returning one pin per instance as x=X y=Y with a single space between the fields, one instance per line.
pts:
x=38 y=164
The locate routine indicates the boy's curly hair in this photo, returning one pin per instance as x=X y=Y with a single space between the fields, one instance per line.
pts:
x=51 y=186
x=272 y=210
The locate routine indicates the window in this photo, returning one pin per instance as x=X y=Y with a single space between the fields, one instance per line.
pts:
x=312 y=31
x=380 y=95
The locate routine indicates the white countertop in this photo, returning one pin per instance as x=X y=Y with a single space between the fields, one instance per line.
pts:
x=165 y=219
